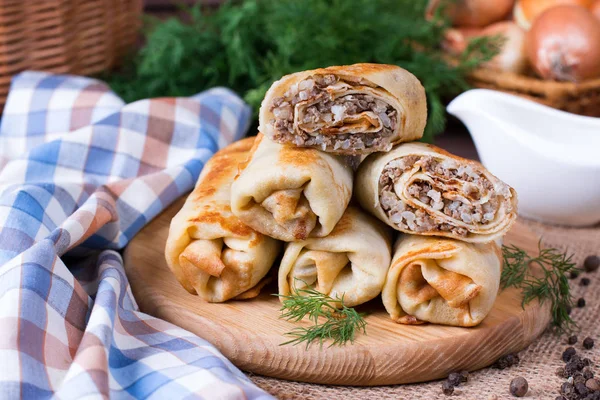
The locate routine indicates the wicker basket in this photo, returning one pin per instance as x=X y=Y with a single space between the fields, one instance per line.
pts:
x=579 y=98
x=65 y=36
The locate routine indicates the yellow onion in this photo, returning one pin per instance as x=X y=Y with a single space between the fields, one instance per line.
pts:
x=474 y=13
x=526 y=11
x=564 y=44
x=595 y=8
x=512 y=56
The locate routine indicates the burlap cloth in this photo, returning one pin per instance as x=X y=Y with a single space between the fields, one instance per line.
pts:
x=538 y=362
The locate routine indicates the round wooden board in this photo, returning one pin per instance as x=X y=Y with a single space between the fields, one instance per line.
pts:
x=249 y=333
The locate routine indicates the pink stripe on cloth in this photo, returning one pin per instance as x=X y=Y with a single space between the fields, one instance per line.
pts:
x=90 y=173
x=83 y=107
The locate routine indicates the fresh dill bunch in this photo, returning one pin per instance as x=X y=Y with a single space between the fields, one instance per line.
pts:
x=247 y=45
x=546 y=280
x=338 y=329
x=332 y=319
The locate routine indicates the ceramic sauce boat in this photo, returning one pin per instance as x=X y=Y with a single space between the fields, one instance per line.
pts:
x=550 y=157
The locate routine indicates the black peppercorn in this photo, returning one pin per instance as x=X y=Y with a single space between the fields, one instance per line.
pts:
x=567 y=389
x=570 y=369
x=591 y=263
x=572 y=339
x=581 y=302
x=501 y=363
x=587 y=362
x=506 y=361
x=593 y=396
x=560 y=372
x=587 y=373
x=574 y=366
x=588 y=343
x=574 y=274
x=578 y=378
x=464 y=376
x=584 y=282
x=454 y=378
x=593 y=385
x=519 y=386
x=568 y=353
x=447 y=388
x=511 y=359
x=581 y=389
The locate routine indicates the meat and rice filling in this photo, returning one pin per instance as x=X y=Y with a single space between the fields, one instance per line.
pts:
x=333 y=122
x=458 y=191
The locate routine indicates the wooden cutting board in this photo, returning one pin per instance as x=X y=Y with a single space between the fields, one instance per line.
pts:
x=249 y=333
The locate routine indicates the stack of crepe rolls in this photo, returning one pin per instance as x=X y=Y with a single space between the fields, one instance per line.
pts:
x=211 y=252
x=446 y=265
x=295 y=184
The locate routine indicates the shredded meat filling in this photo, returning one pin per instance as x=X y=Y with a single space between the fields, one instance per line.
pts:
x=465 y=187
x=330 y=113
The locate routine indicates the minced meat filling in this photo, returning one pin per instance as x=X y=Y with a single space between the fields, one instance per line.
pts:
x=330 y=112
x=461 y=204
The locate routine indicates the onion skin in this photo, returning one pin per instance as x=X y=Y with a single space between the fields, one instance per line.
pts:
x=595 y=9
x=564 y=44
x=526 y=11
x=473 y=13
x=513 y=55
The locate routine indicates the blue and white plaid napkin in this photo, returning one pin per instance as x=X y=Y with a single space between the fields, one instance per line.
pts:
x=80 y=174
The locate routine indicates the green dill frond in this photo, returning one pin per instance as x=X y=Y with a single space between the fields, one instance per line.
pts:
x=246 y=45
x=332 y=319
x=544 y=277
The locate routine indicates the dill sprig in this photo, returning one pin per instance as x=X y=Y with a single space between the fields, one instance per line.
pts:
x=546 y=281
x=247 y=44
x=332 y=319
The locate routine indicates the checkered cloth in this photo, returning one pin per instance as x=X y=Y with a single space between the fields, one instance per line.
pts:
x=80 y=174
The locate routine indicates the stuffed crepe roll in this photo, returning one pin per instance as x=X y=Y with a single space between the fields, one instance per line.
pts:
x=352 y=110
x=442 y=281
x=290 y=193
x=211 y=252
x=421 y=189
x=351 y=261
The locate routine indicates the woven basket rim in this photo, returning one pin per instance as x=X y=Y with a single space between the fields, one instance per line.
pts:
x=581 y=98
x=511 y=78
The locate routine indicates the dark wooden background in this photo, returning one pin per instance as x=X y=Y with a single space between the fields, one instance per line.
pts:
x=455 y=139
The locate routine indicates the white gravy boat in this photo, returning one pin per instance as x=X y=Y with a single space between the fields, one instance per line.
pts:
x=550 y=157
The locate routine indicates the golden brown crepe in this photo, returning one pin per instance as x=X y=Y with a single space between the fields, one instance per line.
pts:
x=442 y=281
x=422 y=189
x=354 y=109
x=211 y=252
x=351 y=261
x=291 y=193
